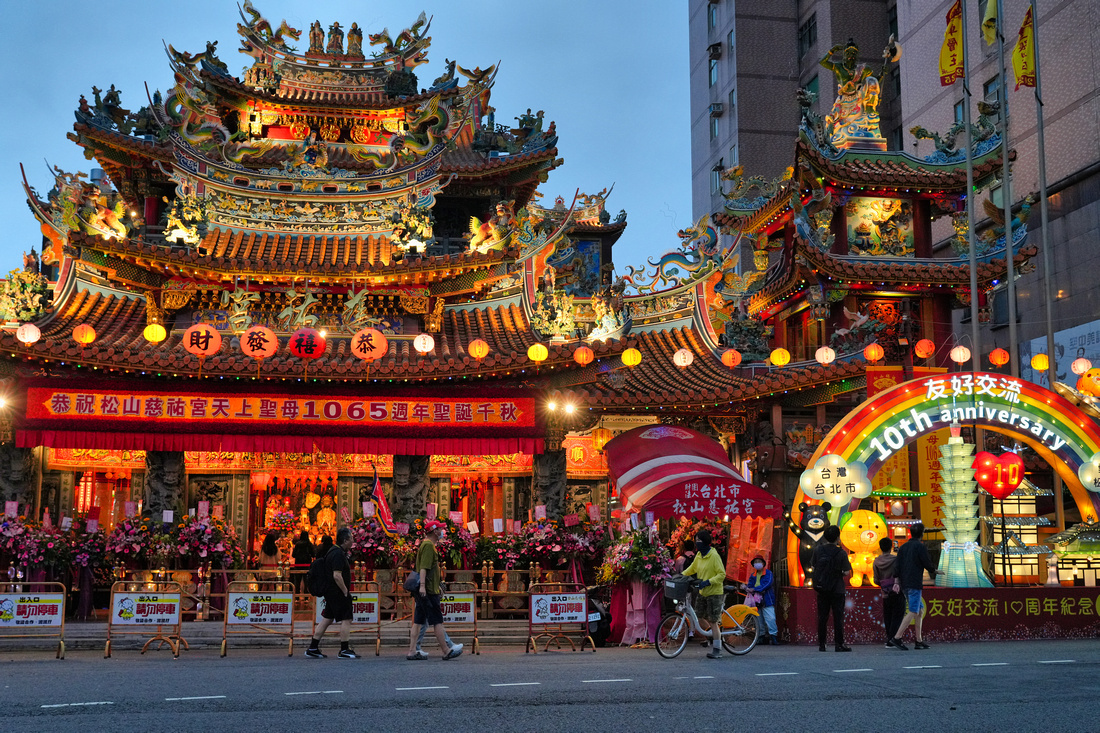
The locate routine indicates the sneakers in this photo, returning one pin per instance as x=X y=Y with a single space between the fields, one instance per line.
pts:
x=455 y=651
x=921 y=645
x=347 y=654
x=418 y=655
x=844 y=648
x=897 y=644
x=714 y=654
x=314 y=654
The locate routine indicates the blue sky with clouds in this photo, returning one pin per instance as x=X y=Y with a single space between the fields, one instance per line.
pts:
x=613 y=74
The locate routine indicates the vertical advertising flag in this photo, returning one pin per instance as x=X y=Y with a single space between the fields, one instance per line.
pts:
x=951 y=58
x=1023 y=56
x=989 y=22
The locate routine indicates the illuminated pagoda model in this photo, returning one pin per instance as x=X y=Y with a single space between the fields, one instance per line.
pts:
x=1014 y=530
x=960 y=557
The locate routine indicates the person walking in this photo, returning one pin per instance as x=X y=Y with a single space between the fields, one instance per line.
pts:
x=885 y=572
x=710 y=571
x=338 y=607
x=830 y=567
x=429 y=610
x=761 y=588
x=913 y=560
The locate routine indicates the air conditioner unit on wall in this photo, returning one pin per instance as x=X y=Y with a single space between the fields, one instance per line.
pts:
x=715 y=109
x=714 y=51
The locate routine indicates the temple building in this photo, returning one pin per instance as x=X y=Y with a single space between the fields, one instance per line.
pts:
x=284 y=285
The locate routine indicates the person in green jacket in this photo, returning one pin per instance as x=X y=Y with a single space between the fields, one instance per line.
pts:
x=708 y=568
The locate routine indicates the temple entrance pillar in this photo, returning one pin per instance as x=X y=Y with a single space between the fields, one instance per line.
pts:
x=550 y=482
x=410 y=486
x=163 y=482
x=17 y=476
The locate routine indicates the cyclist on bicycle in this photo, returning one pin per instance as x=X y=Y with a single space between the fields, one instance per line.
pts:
x=707 y=567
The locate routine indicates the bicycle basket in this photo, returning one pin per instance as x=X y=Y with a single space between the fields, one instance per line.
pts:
x=677 y=588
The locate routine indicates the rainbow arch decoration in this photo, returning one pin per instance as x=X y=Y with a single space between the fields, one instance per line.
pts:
x=1065 y=437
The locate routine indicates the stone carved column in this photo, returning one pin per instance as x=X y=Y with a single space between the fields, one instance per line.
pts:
x=163 y=482
x=17 y=475
x=410 y=486
x=550 y=482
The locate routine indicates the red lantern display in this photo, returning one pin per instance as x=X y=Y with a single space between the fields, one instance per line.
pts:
x=478 y=349
x=731 y=358
x=260 y=481
x=84 y=334
x=583 y=356
x=306 y=343
x=998 y=357
x=873 y=352
x=999 y=475
x=369 y=344
x=202 y=340
x=924 y=348
x=259 y=342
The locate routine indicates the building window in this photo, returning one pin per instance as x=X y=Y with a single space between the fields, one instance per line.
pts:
x=813 y=86
x=732 y=42
x=733 y=154
x=959 y=111
x=716 y=176
x=807 y=35
x=713 y=79
x=991 y=90
x=712 y=16
x=892 y=17
x=895 y=80
x=713 y=128
x=733 y=101
x=897 y=142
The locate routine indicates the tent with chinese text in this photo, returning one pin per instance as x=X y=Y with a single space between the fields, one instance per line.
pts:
x=677 y=472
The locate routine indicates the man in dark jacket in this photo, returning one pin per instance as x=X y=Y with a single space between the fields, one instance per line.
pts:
x=913 y=560
x=830 y=568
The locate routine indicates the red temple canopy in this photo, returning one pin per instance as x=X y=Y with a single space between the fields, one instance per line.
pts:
x=676 y=472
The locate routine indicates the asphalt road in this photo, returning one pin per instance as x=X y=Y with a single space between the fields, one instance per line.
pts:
x=993 y=686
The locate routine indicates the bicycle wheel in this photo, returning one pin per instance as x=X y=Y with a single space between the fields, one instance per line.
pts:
x=739 y=638
x=672 y=635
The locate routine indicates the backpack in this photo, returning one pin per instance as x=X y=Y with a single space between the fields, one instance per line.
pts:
x=319 y=576
x=826 y=570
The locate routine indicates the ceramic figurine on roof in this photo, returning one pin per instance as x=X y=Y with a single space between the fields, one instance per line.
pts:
x=854 y=117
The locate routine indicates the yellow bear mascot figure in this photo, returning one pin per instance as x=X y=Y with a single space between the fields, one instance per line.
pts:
x=860 y=532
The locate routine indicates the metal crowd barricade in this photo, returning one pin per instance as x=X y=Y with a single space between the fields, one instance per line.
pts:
x=556 y=611
x=251 y=612
x=460 y=610
x=501 y=589
x=138 y=606
x=366 y=617
x=33 y=611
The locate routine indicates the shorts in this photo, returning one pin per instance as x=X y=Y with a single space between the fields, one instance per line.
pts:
x=428 y=611
x=912 y=597
x=709 y=608
x=337 y=607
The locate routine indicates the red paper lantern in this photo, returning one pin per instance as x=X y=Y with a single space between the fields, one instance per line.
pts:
x=999 y=475
x=202 y=340
x=731 y=358
x=478 y=349
x=259 y=342
x=873 y=352
x=260 y=481
x=369 y=344
x=924 y=348
x=583 y=356
x=306 y=343
x=84 y=334
x=998 y=357
x=600 y=437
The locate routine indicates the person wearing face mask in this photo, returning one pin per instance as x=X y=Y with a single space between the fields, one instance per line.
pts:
x=709 y=569
x=761 y=587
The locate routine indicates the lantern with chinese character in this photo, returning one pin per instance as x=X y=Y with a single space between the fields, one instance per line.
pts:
x=632 y=357
x=683 y=358
x=781 y=357
x=873 y=352
x=583 y=356
x=424 y=343
x=537 y=353
x=202 y=340
x=369 y=344
x=825 y=355
x=307 y=343
x=1040 y=362
x=960 y=355
x=1078 y=367
x=154 y=333
x=84 y=334
x=731 y=357
x=28 y=334
x=260 y=343
x=478 y=349
x=998 y=357
x=924 y=348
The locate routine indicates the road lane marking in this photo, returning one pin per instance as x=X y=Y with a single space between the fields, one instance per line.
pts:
x=925 y=666
x=774 y=674
x=436 y=687
x=77 y=704
x=863 y=669
x=1057 y=661
x=317 y=692
x=705 y=677
x=619 y=680
x=990 y=664
x=201 y=697
x=513 y=684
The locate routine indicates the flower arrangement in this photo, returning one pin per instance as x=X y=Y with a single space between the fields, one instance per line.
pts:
x=543 y=541
x=457 y=547
x=283 y=521
x=25 y=542
x=88 y=549
x=210 y=538
x=635 y=557
x=687 y=529
x=501 y=551
x=137 y=540
x=369 y=542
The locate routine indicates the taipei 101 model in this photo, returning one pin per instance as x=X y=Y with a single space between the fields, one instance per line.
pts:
x=960 y=563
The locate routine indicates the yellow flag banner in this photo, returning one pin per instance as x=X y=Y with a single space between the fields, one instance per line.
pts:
x=951 y=58
x=1023 y=56
x=989 y=22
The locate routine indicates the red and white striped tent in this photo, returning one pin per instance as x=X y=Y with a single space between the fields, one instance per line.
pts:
x=677 y=472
